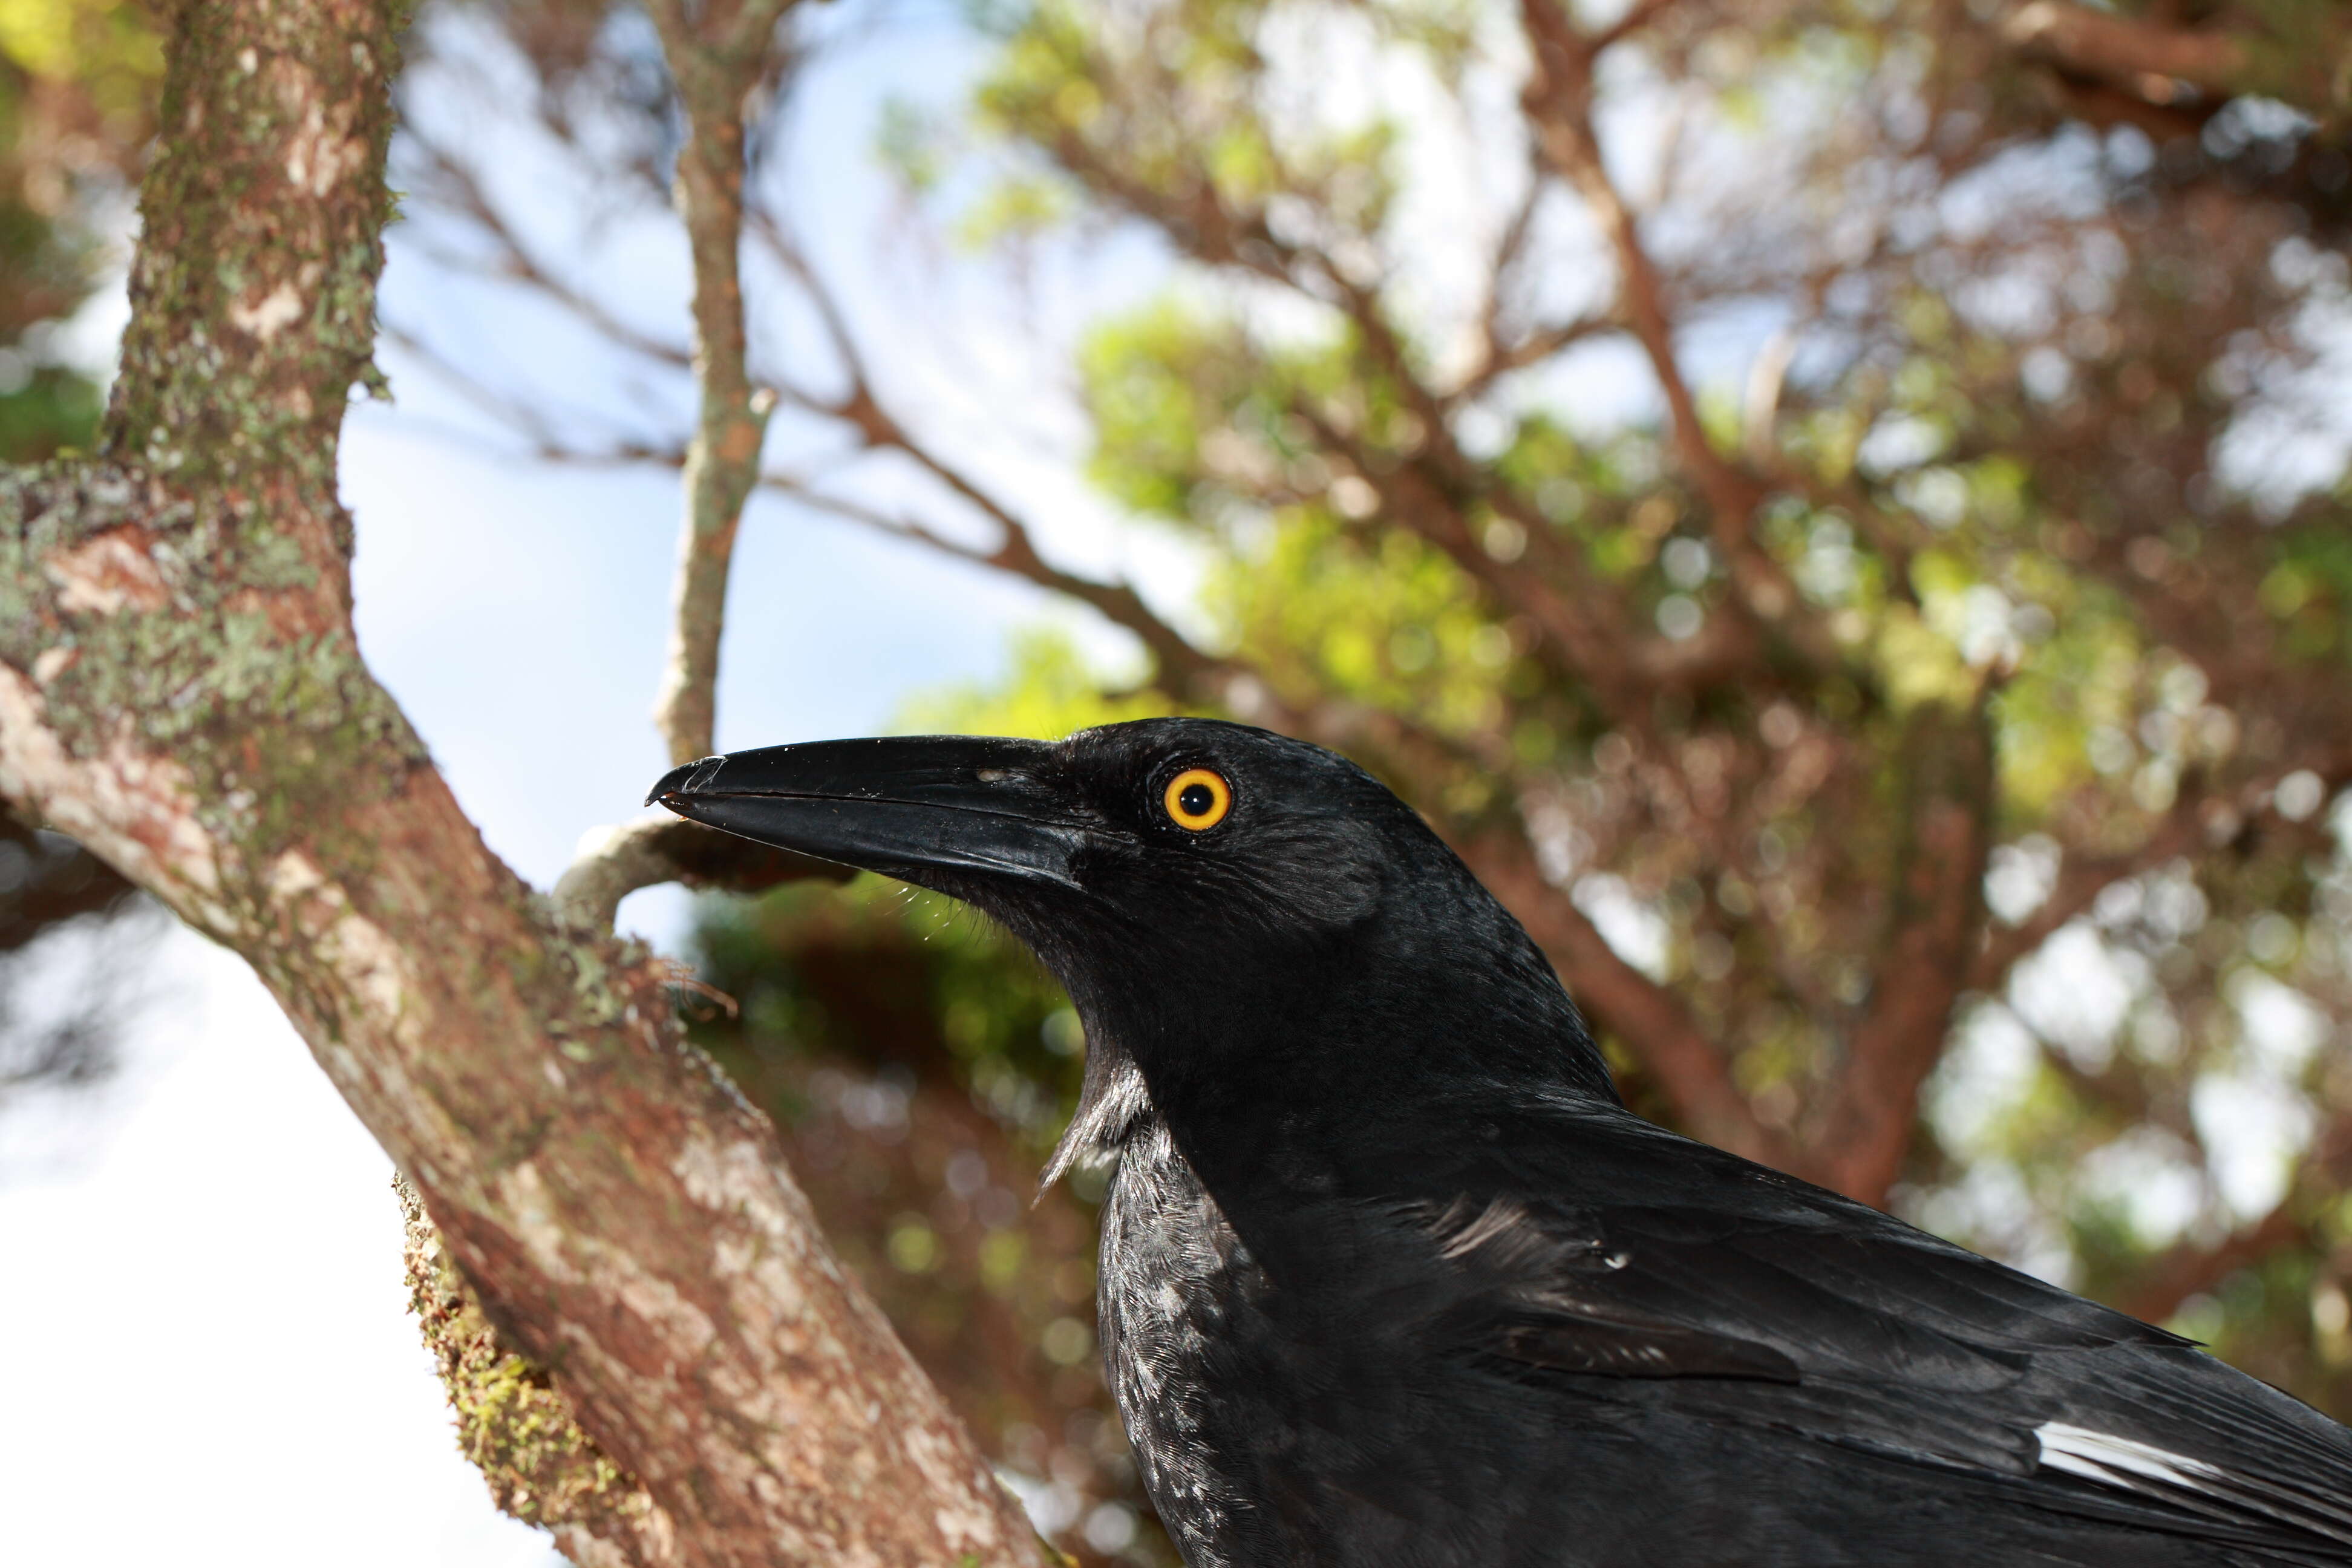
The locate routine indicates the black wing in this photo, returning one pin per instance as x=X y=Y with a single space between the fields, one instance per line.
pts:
x=1585 y=1242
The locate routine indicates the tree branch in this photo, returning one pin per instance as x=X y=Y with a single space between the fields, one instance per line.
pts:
x=517 y=262
x=2197 y=813
x=2190 y=1269
x=1182 y=667
x=54 y=882
x=2293 y=54
x=1558 y=102
x=1503 y=358
x=515 y=1428
x=717 y=59
x=2126 y=49
x=650 y=851
x=182 y=691
x=1935 y=921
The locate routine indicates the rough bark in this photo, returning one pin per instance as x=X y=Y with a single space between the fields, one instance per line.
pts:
x=181 y=691
x=542 y=1467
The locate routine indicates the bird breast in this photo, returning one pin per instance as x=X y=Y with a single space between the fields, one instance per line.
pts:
x=1174 y=1295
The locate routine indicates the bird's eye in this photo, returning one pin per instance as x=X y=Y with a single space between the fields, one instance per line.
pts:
x=1197 y=799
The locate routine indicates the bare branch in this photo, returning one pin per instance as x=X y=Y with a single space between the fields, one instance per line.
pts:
x=650 y=851
x=2142 y=65
x=1760 y=407
x=1937 y=914
x=502 y=405
x=1503 y=358
x=1584 y=638
x=517 y=262
x=2127 y=50
x=1557 y=100
x=1500 y=355
x=769 y=231
x=1637 y=18
x=2200 y=811
x=717 y=59
x=1182 y=667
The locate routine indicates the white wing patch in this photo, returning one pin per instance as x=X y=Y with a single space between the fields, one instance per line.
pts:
x=2099 y=1455
x=2132 y=1465
x=1499 y=1218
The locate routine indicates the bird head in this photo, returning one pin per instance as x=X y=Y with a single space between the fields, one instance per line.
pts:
x=1199 y=888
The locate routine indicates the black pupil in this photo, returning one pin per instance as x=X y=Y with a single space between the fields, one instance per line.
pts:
x=1196 y=800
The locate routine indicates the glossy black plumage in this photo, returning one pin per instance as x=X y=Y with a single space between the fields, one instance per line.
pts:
x=1390 y=1277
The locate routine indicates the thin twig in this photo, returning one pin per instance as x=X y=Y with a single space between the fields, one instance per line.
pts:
x=717 y=60
x=1557 y=100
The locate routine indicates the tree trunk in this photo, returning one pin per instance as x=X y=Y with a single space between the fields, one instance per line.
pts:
x=180 y=690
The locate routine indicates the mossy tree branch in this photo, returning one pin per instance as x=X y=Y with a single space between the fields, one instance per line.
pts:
x=542 y=1467
x=181 y=691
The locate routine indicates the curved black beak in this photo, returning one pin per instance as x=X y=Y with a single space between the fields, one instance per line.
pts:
x=903 y=805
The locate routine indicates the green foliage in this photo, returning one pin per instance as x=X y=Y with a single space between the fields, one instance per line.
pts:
x=1049 y=692
x=1381 y=618
x=53 y=411
x=78 y=79
x=1013 y=209
x=1987 y=519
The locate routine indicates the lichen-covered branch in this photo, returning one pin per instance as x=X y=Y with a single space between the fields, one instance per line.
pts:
x=718 y=57
x=542 y=1468
x=181 y=691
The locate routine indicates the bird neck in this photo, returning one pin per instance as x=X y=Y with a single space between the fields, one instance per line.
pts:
x=1270 y=1071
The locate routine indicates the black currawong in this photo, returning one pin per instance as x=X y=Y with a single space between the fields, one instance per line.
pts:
x=1391 y=1277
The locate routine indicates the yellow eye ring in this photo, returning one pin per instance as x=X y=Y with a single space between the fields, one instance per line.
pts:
x=1197 y=799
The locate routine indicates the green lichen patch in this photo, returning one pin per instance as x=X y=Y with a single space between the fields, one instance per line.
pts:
x=512 y=1425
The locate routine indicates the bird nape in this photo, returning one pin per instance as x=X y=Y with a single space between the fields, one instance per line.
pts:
x=1389 y=1274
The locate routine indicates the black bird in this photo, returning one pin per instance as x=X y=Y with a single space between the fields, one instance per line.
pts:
x=1391 y=1277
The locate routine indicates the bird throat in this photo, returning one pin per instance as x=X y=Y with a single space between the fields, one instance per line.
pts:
x=1113 y=1103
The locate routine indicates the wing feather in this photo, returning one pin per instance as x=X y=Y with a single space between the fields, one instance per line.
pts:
x=1608 y=1248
